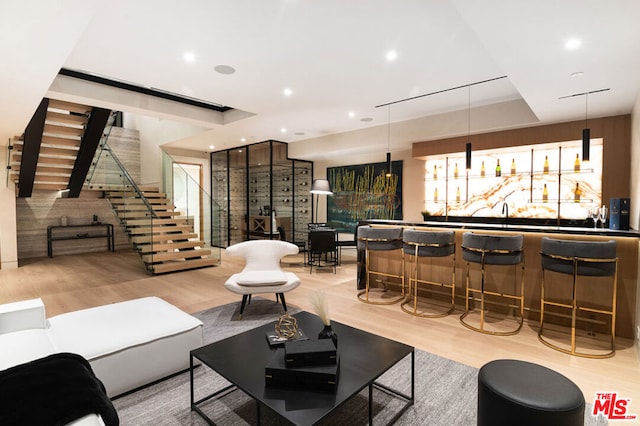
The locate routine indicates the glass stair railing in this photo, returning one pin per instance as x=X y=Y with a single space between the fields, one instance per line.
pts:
x=193 y=201
x=162 y=236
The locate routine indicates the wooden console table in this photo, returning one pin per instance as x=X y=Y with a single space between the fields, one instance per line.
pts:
x=98 y=230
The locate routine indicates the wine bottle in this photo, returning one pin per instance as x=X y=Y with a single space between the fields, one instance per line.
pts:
x=576 y=164
x=498 y=169
x=545 y=194
x=435 y=195
x=576 y=193
x=455 y=172
x=458 y=195
x=482 y=170
x=546 y=164
x=435 y=172
x=513 y=166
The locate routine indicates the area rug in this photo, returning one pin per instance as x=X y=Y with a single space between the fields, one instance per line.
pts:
x=445 y=390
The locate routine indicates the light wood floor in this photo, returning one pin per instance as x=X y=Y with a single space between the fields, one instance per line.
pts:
x=68 y=283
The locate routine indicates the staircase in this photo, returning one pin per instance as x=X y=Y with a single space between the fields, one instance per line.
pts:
x=56 y=149
x=166 y=242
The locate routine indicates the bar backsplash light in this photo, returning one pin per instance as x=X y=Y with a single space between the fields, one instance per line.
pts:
x=544 y=181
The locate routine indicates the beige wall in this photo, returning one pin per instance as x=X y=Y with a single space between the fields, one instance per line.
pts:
x=8 y=234
x=153 y=133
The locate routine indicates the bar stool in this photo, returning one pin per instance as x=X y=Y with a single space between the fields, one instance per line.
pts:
x=380 y=240
x=584 y=259
x=428 y=244
x=494 y=250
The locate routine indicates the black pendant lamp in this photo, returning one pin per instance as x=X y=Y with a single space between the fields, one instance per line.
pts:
x=468 y=147
x=388 y=165
x=586 y=132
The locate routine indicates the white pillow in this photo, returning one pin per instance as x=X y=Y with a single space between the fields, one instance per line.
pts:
x=261 y=278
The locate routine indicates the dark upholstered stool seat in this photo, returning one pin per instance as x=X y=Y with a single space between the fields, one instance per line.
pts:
x=512 y=392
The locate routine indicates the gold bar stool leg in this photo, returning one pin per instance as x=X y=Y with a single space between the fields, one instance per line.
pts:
x=577 y=258
x=493 y=251
x=422 y=245
x=380 y=240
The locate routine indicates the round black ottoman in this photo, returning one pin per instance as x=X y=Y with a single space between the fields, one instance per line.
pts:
x=512 y=392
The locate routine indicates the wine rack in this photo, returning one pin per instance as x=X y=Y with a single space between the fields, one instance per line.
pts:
x=261 y=181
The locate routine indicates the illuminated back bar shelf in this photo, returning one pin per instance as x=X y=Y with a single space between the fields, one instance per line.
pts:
x=544 y=182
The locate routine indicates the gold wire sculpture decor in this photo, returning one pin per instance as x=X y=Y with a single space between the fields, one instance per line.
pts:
x=287 y=327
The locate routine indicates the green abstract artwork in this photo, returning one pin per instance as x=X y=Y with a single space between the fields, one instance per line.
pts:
x=363 y=191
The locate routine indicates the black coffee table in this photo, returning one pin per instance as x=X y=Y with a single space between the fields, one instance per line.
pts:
x=363 y=356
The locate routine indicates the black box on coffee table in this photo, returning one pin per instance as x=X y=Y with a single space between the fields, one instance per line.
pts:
x=310 y=352
x=309 y=377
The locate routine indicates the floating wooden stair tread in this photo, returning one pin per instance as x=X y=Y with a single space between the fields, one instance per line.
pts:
x=175 y=255
x=141 y=230
x=146 y=239
x=69 y=106
x=60 y=117
x=181 y=265
x=54 y=129
x=49 y=186
x=151 y=248
x=155 y=222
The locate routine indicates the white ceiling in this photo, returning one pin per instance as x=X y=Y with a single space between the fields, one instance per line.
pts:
x=331 y=54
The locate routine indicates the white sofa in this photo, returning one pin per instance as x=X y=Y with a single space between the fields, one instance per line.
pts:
x=128 y=344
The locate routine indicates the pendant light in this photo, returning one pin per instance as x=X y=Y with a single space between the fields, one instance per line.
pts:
x=388 y=165
x=586 y=132
x=468 y=147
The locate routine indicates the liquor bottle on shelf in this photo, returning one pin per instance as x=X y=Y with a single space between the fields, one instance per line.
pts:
x=576 y=193
x=458 y=195
x=576 y=164
x=482 y=171
x=260 y=212
x=455 y=172
x=545 y=194
x=513 y=166
x=545 y=169
x=435 y=195
x=498 y=169
x=435 y=172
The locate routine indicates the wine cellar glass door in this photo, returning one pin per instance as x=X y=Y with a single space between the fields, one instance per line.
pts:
x=261 y=193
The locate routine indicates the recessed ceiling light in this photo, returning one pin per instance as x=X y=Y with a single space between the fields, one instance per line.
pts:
x=391 y=55
x=243 y=139
x=287 y=92
x=283 y=130
x=189 y=57
x=224 y=69
x=352 y=114
x=573 y=43
x=366 y=119
x=211 y=146
x=577 y=74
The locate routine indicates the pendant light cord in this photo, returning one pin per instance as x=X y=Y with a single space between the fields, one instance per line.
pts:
x=586 y=106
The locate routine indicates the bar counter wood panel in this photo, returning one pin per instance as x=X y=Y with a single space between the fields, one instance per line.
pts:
x=628 y=262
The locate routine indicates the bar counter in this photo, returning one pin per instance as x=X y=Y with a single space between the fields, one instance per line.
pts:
x=628 y=245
